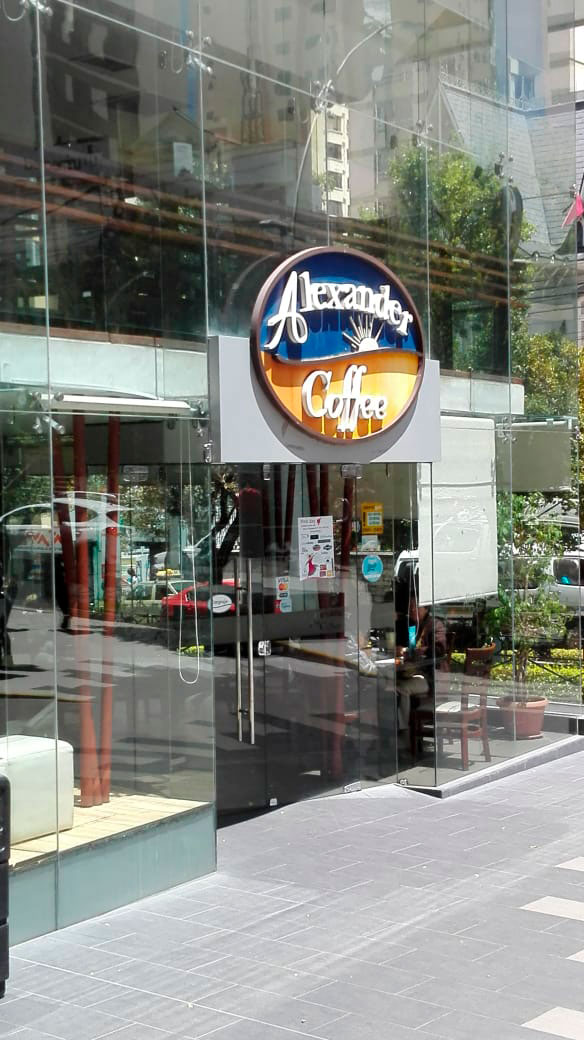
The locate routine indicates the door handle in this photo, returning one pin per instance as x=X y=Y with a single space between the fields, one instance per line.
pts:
x=237 y=579
x=250 y=675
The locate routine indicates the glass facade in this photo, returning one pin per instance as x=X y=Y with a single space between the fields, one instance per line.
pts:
x=161 y=657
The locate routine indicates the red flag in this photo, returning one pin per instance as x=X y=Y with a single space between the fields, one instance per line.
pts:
x=575 y=211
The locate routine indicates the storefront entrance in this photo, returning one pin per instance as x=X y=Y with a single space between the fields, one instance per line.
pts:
x=304 y=638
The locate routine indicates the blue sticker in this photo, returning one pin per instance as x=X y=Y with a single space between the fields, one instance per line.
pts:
x=372 y=568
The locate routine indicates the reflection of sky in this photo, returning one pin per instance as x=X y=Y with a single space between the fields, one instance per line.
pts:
x=326 y=327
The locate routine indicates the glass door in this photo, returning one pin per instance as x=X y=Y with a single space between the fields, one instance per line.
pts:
x=238 y=637
x=306 y=562
x=312 y=689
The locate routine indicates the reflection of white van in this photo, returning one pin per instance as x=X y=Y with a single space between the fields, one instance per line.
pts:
x=568 y=580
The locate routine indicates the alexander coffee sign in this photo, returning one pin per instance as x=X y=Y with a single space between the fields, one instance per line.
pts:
x=337 y=344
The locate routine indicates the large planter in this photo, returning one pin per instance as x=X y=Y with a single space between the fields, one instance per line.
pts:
x=522 y=719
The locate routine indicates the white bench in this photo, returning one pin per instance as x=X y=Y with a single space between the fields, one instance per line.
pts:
x=34 y=767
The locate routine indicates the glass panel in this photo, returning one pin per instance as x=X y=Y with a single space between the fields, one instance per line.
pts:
x=134 y=673
x=29 y=753
x=546 y=614
x=123 y=166
x=306 y=650
x=265 y=185
x=31 y=756
x=273 y=47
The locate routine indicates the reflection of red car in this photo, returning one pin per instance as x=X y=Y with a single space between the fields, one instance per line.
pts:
x=222 y=602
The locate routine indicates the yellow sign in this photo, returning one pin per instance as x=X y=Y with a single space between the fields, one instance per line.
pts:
x=372 y=518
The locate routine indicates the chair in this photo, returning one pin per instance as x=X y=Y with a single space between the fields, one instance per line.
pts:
x=461 y=718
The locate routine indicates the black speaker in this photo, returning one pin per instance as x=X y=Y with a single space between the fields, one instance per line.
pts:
x=251 y=512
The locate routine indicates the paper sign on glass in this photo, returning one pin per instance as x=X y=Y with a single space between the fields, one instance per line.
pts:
x=316 y=551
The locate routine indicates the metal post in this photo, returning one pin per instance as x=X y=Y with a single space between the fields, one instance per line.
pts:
x=4 y=857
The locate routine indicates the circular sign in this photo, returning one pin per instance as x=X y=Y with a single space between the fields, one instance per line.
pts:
x=337 y=344
x=372 y=568
x=222 y=604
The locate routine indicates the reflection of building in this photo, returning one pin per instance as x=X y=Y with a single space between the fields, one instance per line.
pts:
x=330 y=159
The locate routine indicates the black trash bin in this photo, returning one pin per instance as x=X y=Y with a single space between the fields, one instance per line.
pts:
x=4 y=857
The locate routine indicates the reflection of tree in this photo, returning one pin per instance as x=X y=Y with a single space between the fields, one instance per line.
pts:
x=224 y=516
x=528 y=613
x=471 y=222
x=143 y=505
x=547 y=363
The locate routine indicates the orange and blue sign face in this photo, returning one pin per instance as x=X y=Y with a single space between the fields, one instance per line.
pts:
x=337 y=343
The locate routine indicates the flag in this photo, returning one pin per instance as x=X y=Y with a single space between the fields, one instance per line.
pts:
x=575 y=211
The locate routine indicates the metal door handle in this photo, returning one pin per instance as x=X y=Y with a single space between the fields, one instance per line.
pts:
x=238 y=649
x=250 y=675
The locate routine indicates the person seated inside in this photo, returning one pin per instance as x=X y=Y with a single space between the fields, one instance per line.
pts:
x=426 y=653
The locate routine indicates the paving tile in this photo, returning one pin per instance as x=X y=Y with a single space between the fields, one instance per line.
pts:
x=140 y=946
x=506 y=933
x=458 y=996
x=29 y=1033
x=272 y=1009
x=384 y=977
x=273 y=979
x=267 y=923
x=248 y=1029
x=166 y=982
x=466 y=1026
x=174 y=1016
x=555 y=907
x=170 y=905
x=559 y=1021
x=81 y=959
x=25 y=1011
x=92 y=933
x=573 y=864
x=360 y=1027
x=564 y=986
x=566 y=929
x=56 y=984
x=386 y=1007
x=319 y=939
x=73 y=1023
x=241 y=944
x=138 y=1031
x=154 y=925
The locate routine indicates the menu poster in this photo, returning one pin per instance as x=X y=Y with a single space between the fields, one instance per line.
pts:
x=316 y=551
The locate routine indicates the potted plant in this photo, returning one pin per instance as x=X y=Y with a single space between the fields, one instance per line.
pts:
x=530 y=616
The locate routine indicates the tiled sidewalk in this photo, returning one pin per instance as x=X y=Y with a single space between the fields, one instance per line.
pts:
x=380 y=914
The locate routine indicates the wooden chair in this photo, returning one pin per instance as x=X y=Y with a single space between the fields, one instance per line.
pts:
x=464 y=717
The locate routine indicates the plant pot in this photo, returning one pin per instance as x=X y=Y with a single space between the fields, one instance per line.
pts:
x=522 y=719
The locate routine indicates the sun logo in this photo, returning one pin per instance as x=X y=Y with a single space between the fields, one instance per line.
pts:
x=363 y=340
